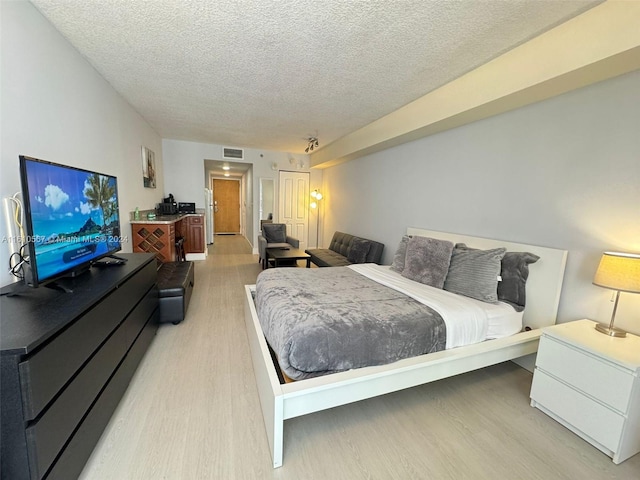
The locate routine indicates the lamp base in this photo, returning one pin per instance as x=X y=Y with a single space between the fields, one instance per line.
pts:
x=611 y=331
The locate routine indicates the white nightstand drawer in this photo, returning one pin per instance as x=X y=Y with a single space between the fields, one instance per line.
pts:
x=584 y=414
x=607 y=382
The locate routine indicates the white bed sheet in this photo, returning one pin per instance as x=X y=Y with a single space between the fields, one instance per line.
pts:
x=467 y=320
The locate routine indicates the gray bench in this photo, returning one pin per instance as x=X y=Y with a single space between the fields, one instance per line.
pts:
x=346 y=249
x=175 y=283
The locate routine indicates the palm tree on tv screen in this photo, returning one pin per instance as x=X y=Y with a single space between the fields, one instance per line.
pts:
x=99 y=194
x=110 y=209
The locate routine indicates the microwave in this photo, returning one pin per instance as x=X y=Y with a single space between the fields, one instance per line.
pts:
x=186 y=207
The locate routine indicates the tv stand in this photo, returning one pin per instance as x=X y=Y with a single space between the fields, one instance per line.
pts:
x=116 y=257
x=68 y=282
x=64 y=284
x=67 y=359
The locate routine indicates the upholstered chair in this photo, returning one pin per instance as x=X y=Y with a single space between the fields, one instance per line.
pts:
x=274 y=235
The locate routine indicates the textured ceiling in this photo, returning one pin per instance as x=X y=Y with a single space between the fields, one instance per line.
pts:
x=268 y=74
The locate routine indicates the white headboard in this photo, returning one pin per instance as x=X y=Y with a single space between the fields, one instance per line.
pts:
x=545 y=276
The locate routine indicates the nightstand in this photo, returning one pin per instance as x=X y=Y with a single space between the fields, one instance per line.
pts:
x=590 y=383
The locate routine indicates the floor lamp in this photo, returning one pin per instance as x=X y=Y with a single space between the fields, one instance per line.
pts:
x=315 y=204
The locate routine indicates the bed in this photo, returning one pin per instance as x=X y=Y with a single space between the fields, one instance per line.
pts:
x=282 y=401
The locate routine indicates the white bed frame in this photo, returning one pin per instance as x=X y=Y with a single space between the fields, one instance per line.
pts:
x=290 y=400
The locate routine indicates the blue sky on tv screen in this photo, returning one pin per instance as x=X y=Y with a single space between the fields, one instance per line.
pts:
x=57 y=199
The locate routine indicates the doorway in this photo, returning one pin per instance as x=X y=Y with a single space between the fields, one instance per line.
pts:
x=226 y=206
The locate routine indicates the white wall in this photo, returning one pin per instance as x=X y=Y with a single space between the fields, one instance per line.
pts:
x=185 y=175
x=55 y=106
x=562 y=173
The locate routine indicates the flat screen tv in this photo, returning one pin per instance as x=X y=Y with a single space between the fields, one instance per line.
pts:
x=71 y=219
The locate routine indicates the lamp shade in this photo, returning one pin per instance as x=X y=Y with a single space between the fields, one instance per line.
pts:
x=619 y=271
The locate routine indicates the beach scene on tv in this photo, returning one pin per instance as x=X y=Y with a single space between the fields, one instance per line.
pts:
x=74 y=216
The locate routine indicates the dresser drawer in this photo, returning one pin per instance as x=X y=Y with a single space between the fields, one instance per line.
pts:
x=86 y=436
x=46 y=436
x=44 y=374
x=608 y=383
x=584 y=414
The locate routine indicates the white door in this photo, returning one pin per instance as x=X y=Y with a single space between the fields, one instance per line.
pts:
x=293 y=205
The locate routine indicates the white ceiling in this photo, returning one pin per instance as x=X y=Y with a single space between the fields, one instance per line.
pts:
x=268 y=74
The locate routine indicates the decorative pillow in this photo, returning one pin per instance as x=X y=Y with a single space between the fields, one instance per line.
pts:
x=474 y=273
x=515 y=271
x=358 y=250
x=274 y=233
x=427 y=260
x=401 y=253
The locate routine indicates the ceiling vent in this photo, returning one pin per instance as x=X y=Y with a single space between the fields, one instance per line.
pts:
x=233 y=153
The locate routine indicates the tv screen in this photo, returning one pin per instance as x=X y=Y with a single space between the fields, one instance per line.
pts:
x=71 y=218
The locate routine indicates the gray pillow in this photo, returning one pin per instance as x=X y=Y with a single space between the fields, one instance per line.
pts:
x=274 y=232
x=427 y=260
x=474 y=273
x=358 y=250
x=398 y=259
x=514 y=273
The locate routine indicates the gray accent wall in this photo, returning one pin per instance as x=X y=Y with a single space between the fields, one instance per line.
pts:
x=562 y=173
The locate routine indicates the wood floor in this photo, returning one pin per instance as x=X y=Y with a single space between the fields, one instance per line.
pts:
x=191 y=412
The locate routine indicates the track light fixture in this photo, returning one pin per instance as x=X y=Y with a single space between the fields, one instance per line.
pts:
x=313 y=143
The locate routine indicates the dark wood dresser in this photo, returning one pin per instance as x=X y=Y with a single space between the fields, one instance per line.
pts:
x=67 y=359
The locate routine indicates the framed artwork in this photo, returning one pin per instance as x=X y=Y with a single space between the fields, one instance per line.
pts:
x=148 y=168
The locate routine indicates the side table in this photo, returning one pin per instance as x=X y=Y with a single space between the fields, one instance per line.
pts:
x=590 y=383
x=286 y=256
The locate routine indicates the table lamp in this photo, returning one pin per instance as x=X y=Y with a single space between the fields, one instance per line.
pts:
x=619 y=272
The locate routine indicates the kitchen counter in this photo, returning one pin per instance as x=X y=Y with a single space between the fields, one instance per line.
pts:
x=166 y=219
x=169 y=236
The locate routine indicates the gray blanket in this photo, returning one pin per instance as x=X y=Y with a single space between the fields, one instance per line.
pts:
x=326 y=320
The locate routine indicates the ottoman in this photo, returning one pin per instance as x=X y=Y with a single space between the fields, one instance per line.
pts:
x=175 y=284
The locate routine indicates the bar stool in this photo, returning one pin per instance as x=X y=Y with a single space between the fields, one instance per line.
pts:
x=180 y=255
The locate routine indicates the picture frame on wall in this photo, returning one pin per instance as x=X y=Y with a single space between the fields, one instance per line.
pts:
x=148 y=168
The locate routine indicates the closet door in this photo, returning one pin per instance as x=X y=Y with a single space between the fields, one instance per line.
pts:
x=293 y=205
